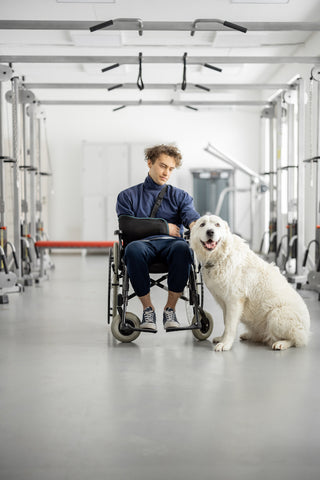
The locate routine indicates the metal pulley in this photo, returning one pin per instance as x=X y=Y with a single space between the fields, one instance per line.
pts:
x=6 y=73
x=315 y=73
x=25 y=96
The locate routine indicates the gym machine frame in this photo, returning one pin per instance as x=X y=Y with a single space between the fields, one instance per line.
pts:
x=257 y=184
x=288 y=110
x=313 y=280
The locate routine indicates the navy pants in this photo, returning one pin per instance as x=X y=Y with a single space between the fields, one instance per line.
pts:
x=173 y=251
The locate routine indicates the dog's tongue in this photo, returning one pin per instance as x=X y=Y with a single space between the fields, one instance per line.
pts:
x=210 y=244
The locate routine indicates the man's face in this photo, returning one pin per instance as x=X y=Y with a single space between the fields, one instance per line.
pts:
x=160 y=171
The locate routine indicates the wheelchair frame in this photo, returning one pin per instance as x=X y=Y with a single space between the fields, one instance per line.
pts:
x=125 y=326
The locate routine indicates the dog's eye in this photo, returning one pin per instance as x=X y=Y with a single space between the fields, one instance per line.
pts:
x=202 y=224
x=217 y=224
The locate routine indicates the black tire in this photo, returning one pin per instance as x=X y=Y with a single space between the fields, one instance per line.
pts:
x=206 y=322
x=113 y=281
x=109 y=309
x=128 y=335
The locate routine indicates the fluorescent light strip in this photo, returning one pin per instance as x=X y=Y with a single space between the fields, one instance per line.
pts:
x=86 y=1
x=261 y=1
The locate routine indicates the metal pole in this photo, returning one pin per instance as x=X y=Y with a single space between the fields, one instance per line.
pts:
x=24 y=200
x=291 y=164
x=2 y=204
x=273 y=172
x=278 y=163
x=16 y=180
x=33 y=125
x=301 y=176
x=318 y=171
x=39 y=201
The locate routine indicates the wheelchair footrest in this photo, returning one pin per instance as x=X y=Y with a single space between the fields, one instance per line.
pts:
x=177 y=329
x=145 y=330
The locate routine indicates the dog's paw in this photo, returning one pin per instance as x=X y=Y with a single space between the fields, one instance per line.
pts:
x=223 y=346
x=216 y=339
x=282 y=345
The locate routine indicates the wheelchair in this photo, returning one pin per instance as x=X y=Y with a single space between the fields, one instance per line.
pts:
x=125 y=325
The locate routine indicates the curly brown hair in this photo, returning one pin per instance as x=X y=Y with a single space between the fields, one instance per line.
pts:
x=153 y=153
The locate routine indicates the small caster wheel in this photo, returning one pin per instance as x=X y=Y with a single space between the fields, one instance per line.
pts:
x=125 y=334
x=206 y=328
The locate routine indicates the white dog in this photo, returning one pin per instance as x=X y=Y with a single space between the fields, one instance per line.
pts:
x=248 y=289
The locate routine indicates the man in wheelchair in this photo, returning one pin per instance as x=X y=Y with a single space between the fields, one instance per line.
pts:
x=152 y=215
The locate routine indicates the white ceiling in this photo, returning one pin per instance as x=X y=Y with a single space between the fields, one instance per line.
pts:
x=224 y=43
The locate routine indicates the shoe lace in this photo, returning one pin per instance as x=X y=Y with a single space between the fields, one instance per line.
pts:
x=170 y=315
x=148 y=316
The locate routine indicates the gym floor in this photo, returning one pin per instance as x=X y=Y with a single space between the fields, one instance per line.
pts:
x=77 y=405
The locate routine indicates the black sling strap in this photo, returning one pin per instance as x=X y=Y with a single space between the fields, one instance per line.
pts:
x=158 y=201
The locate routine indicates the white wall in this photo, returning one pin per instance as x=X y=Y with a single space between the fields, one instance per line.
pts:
x=235 y=132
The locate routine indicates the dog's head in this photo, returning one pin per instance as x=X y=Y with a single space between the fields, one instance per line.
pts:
x=208 y=234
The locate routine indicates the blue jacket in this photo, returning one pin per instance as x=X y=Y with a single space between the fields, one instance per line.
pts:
x=176 y=207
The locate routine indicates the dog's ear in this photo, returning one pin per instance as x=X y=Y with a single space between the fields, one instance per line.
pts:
x=226 y=225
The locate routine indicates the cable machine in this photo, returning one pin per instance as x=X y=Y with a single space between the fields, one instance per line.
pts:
x=9 y=265
x=313 y=280
x=28 y=225
x=257 y=184
x=286 y=217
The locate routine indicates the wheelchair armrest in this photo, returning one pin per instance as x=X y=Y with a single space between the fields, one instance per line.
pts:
x=186 y=234
x=134 y=228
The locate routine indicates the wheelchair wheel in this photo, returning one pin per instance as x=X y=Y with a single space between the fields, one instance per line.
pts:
x=206 y=322
x=125 y=335
x=113 y=281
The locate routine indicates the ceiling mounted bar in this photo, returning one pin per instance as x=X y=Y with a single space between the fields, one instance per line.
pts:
x=218 y=103
x=216 y=20
x=158 y=86
x=235 y=164
x=119 y=21
x=133 y=60
x=157 y=26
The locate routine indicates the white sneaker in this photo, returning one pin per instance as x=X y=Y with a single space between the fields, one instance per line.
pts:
x=170 y=319
x=149 y=320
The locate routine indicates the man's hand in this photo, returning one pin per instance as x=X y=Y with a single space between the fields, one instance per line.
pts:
x=174 y=230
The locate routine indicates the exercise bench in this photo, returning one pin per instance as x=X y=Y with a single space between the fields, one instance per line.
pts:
x=42 y=245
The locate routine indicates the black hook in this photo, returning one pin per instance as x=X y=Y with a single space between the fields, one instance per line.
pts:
x=139 y=80
x=184 y=77
x=119 y=85
x=212 y=67
x=105 y=69
x=119 y=108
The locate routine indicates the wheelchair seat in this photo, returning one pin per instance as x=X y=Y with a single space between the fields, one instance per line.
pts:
x=158 y=267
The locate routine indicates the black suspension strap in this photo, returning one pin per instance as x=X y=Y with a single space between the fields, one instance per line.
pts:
x=184 y=77
x=140 y=83
x=158 y=201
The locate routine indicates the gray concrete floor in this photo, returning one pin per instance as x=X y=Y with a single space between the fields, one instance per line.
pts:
x=77 y=405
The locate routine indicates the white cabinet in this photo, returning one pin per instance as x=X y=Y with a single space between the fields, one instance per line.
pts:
x=107 y=169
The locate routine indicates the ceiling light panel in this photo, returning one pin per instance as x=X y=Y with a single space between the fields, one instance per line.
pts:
x=266 y=2
x=86 y=1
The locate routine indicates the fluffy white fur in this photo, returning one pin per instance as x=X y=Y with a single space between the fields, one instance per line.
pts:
x=248 y=289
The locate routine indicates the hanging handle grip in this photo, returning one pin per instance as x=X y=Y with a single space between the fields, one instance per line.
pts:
x=235 y=26
x=101 y=25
